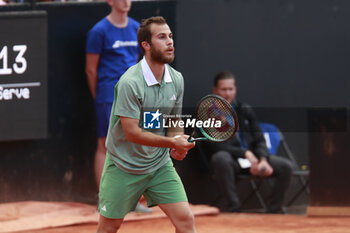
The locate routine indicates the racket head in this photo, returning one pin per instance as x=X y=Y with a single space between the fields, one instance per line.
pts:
x=217 y=108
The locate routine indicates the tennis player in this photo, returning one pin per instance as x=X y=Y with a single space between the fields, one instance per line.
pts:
x=137 y=160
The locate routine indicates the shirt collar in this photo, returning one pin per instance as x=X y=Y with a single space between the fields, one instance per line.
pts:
x=149 y=77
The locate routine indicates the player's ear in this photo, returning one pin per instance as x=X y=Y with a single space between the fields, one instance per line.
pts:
x=145 y=45
x=110 y=2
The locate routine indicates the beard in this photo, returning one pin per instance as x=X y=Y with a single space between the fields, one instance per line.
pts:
x=158 y=56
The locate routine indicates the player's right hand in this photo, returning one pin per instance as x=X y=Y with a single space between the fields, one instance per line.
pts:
x=181 y=145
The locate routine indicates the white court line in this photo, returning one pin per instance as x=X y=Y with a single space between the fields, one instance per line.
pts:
x=32 y=84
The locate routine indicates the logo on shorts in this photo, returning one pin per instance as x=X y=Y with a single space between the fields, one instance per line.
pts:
x=151 y=120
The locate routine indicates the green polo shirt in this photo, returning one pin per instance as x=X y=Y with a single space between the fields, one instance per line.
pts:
x=138 y=91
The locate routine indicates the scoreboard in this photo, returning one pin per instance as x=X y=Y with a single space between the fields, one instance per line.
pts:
x=23 y=75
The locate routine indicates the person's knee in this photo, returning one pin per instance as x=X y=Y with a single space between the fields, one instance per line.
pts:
x=285 y=168
x=189 y=218
x=106 y=225
x=288 y=168
x=221 y=158
x=186 y=221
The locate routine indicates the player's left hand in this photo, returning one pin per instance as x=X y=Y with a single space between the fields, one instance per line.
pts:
x=177 y=155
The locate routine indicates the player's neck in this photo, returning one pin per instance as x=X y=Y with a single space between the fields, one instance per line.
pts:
x=118 y=19
x=157 y=68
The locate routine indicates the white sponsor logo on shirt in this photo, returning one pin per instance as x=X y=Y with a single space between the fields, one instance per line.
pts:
x=119 y=43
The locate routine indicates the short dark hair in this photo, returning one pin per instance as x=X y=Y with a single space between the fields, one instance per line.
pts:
x=221 y=76
x=144 y=31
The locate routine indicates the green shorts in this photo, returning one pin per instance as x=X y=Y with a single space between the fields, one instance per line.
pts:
x=120 y=191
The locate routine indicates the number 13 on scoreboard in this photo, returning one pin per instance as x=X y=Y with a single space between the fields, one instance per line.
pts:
x=20 y=64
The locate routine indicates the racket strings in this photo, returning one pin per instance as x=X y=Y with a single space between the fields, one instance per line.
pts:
x=215 y=109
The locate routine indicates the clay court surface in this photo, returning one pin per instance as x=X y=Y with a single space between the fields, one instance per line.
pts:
x=243 y=223
x=67 y=217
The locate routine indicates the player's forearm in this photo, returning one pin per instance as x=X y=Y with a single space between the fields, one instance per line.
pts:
x=173 y=131
x=149 y=139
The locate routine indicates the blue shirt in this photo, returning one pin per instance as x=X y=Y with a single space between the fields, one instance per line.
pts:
x=118 y=50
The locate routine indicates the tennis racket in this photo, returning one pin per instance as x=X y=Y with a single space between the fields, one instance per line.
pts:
x=215 y=108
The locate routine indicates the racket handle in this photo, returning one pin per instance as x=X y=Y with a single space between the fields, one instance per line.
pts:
x=197 y=139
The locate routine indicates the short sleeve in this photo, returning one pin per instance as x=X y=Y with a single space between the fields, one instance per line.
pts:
x=127 y=102
x=94 y=41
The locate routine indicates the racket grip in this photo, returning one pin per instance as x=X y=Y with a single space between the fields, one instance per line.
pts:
x=197 y=139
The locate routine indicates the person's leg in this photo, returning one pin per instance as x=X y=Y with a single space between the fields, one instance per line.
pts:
x=180 y=215
x=100 y=157
x=282 y=171
x=224 y=168
x=166 y=190
x=119 y=194
x=107 y=225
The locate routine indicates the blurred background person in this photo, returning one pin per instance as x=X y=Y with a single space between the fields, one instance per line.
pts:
x=248 y=143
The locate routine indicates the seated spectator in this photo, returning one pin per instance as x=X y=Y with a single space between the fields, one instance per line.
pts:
x=248 y=143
